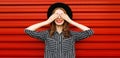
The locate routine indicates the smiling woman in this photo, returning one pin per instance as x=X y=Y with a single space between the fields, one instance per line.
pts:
x=59 y=24
x=59 y=20
x=59 y=40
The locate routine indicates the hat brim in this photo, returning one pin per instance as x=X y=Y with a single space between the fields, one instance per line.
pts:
x=61 y=5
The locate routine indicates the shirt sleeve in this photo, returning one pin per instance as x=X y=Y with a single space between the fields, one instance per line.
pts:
x=81 y=35
x=38 y=35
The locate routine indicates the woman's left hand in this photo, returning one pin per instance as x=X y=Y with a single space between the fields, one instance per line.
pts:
x=65 y=17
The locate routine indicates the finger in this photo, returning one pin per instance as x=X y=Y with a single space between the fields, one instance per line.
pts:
x=62 y=15
x=56 y=15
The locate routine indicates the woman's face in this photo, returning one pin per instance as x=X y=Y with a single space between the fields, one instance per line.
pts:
x=59 y=20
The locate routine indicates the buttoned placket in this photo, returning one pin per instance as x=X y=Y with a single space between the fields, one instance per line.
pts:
x=60 y=44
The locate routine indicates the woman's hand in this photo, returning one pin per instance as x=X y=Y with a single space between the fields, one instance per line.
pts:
x=65 y=17
x=52 y=17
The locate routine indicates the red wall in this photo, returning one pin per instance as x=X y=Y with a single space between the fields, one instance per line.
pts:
x=103 y=16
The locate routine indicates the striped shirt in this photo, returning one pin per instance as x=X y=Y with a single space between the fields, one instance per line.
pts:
x=57 y=47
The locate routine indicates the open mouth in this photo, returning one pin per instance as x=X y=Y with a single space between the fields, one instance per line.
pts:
x=59 y=21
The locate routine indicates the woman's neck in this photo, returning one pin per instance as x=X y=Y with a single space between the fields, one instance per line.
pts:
x=59 y=28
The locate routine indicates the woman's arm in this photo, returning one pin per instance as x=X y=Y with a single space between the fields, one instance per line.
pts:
x=38 y=25
x=87 y=32
x=80 y=26
x=42 y=34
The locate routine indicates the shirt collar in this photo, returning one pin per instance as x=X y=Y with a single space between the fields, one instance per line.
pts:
x=58 y=33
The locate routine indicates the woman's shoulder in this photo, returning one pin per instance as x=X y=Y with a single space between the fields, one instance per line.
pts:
x=72 y=32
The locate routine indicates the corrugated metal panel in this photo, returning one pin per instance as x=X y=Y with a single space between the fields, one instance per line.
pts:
x=103 y=16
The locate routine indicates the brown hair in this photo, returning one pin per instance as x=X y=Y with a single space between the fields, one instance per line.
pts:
x=65 y=30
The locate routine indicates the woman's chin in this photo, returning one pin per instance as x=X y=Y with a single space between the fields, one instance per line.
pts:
x=59 y=23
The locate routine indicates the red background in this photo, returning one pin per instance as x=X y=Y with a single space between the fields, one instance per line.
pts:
x=103 y=16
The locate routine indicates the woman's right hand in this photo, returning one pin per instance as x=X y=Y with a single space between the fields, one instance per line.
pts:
x=52 y=17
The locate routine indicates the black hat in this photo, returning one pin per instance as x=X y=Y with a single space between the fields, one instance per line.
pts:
x=62 y=5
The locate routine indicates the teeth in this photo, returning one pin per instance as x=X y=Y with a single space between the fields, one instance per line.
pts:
x=59 y=21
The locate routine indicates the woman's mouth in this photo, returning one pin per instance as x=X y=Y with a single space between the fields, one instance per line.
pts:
x=59 y=21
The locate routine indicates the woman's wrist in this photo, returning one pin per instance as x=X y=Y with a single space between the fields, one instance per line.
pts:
x=80 y=26
x=48 y=21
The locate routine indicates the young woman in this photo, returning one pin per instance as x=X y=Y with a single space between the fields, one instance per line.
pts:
x=59 y=40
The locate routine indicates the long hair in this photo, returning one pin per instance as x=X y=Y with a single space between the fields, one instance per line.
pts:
x=65 y=29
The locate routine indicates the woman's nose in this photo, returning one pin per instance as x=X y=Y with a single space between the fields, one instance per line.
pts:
x=59 y=16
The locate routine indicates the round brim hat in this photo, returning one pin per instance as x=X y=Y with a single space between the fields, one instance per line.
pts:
x=61 y=5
